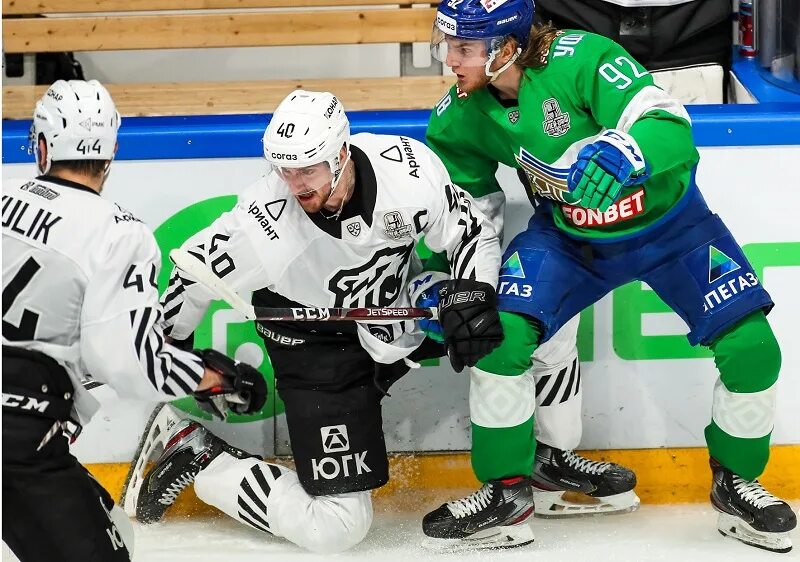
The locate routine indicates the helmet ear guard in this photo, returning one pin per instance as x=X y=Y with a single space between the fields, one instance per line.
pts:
x=78 y=121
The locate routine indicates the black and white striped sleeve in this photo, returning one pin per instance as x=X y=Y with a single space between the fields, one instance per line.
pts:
x=122 y=338
x=225 y=247
x=459 y=228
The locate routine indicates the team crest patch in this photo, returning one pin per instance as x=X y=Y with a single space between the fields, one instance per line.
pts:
x=396 y=227
x=513 y=116
x=556 y=123
x=544 y=179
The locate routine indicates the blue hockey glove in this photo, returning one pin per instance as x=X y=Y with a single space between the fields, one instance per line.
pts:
x=424 y=292
x=613 y=161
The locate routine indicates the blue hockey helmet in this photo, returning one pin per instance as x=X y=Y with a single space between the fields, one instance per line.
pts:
x=490 y=21
x=486 y=19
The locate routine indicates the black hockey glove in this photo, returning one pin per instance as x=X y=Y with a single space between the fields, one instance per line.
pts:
x=244 y=391
x=470 y=321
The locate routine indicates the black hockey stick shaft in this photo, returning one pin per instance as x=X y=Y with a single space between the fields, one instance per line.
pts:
x=309 y=314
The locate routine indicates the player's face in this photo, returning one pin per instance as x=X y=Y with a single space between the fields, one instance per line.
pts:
x=311 y=186
x=467 y=60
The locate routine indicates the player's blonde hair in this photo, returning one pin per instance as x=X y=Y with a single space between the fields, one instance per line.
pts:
x=535 y=53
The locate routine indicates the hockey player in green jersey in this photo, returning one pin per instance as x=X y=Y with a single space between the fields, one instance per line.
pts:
x=560 y=474
x=614 y=157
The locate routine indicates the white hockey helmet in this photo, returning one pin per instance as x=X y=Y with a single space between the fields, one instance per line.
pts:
x=308 y=128
x=79 y=121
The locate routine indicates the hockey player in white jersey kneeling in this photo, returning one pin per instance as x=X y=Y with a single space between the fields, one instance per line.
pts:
x=333 y=223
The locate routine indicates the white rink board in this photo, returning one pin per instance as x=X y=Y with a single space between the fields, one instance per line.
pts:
x=627 y=404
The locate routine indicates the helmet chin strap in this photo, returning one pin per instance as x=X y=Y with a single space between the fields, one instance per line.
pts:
x=337 y=177
x=494 y=75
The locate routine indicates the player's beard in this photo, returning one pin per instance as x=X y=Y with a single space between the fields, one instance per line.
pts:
x=473 y=82
x=314 y=201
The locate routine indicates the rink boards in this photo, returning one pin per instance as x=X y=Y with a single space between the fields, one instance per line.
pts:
x=647 y=393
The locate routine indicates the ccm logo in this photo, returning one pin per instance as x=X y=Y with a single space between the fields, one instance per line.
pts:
x=310 y=313
x=464 y=296
x=388 y=312
x=279 y=156
x=16 y=401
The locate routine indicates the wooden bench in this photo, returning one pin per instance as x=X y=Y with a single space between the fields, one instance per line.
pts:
x=36 y=26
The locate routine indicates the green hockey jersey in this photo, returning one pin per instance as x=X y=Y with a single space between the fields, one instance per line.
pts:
x=589 y=84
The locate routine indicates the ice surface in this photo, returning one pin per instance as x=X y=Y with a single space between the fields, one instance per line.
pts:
x=685 y=533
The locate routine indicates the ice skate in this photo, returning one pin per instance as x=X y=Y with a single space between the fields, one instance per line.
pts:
x=566 y=484
x=189 y=449
x=157 y=431
x=496 y=516
x=749 y=513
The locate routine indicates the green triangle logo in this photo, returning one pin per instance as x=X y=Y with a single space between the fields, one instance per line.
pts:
x=512 y=267
x=719 y=264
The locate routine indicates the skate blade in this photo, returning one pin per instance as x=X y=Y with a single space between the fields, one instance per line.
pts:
x=156 y=432
x=562 y=505
x=735 y=528
x=511 y=536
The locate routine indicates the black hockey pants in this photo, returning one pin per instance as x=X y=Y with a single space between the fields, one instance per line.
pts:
x=53 y=509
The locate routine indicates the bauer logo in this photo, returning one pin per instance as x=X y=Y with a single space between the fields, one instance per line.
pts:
x=334 y=439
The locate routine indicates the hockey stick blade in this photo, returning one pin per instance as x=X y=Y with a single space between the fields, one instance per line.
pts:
x=189 y=263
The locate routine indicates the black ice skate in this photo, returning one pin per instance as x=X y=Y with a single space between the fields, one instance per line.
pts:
x=747 y=512
x=566 y=484
x=496 y=516
x=189 y=449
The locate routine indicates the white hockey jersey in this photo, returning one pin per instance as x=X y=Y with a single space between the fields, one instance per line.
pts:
x=79 y=285
x=364 y=258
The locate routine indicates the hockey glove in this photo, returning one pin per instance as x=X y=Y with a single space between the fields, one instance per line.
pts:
x=613 y=161
x=244 y=391
x=470 y=321
x=424 y=292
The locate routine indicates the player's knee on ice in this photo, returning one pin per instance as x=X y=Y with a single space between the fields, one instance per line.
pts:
x=321 y=524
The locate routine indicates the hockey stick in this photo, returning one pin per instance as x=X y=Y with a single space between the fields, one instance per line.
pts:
x=188 y=263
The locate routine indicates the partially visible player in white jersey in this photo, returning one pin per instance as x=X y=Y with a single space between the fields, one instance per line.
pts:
x=333 y=223
x=80 y=301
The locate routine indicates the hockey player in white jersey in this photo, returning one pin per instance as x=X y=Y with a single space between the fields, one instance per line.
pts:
x=80 y=300
x=333 y=223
